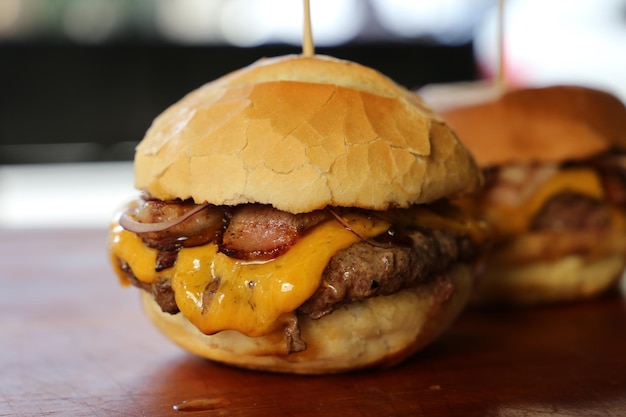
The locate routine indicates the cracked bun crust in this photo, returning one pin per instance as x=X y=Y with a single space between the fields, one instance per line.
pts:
x=282 y=125
x=380 y=331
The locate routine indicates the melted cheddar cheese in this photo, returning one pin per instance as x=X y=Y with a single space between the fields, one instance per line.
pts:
x=456 y=221
x=215 y=292
x=515 y=219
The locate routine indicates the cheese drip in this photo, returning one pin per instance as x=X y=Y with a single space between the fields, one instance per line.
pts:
x=215 y=292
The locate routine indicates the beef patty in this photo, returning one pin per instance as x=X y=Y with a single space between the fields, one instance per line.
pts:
x=569 y=211
x=363 y=270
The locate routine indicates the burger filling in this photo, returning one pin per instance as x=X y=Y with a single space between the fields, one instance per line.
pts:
x=570 y=208
x=317 y=261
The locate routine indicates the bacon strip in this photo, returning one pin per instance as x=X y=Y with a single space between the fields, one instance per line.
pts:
x=612 y=168
x=259 y=232
x=249 y=232
x=170 y=225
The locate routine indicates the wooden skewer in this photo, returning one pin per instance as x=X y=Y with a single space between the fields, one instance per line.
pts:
x=307 y=42
x=500 y=76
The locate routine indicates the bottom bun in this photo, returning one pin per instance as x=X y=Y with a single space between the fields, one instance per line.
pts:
x=570 y=278
x=380 y=331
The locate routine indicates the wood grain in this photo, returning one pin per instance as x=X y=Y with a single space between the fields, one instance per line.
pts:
x=73 y=342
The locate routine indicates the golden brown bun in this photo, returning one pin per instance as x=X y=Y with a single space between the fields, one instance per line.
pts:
x=546 y=267
x=550 y=124
x=379 y=331
x=301 y=133
x=570 y=278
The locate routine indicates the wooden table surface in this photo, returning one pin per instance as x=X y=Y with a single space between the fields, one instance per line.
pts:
x=73 y=342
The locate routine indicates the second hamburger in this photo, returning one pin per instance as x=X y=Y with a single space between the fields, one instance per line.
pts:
x=554 y=160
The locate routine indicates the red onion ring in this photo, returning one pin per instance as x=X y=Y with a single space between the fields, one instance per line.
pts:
x=137 y=227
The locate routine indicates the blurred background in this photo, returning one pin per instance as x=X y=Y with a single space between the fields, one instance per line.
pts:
x=81 y=80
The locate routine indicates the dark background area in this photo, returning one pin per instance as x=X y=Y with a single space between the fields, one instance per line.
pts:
x=74 y=103
x=81 y=80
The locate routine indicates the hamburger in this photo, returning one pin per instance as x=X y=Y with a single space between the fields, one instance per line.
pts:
x=554 y=163
x=294 y=216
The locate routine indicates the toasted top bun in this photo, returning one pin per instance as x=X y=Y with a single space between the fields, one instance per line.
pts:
x=549 y=124
x=301 y=133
